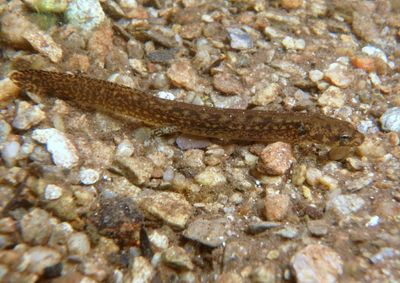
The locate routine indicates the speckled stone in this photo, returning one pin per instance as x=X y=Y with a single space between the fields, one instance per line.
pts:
x=36 y=227
x=276 y=158
x=27 y=116
x=38 y=258
x=317 y=263
x=276 y=207
x=85 y=14
x=344 y=205
x=169 y=207
x=390 y=120
x=211 y=233
x=89 y=176
x=177 y=257
x=137 y=170
x=211 y=177
x=239 y=39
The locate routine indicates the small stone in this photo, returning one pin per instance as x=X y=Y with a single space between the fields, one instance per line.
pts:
x=60 y=234
x=211 y=233
x=239 y=39
x=44 y=44
x=313 y=176
x=78 y=244
x=52 y=192
x=125 y=149
x=193 y=158
x=288 y=232
x=37 y=259
x=316 y=263
x=261 y=226
x=317 y=227
x=176 y=257
x=338 y=75
x=263 y=274
x=169 y=207
x=5 y=130
x=48 y=6
x=374 y=52
x=89 y=176
x=291 y=4
x=27 y=116
x=364 y=62
x=36 y=227
x=8 y=91
x=10 y=152
x=384 y=253
x=332 y=97
x=85 y=14
x=62 y=150
x=211 y=177
x=137 y=170
x=390 y=120
x=346 y=204
x=159 y=240
x=229 y=277
x=266 y=95
x=182 y=74
x=7 y=225
x=276 y=159
x=141 y=271
x=315 y=75
x=276 y=207
x=185 y=143
x=273 y=254
x=291 y=43
x=228 y=84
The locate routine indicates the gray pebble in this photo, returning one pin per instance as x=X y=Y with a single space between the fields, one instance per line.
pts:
x=259 y=227
x=5 y=130
x=239 y=39
x=211 y=233
x=390 y=120
x=346 y=204
x=383 y=254
x=9 y=153
x=288 y=232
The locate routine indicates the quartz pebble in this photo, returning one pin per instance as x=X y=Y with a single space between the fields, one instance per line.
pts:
x=38 y=258
x=78 y=244
x=62 y=150
x=140 y=271
x=291 y=43
x=52 y=192
x=27 y=116
x=239 y=39
x=172 y=208
x=266 y=95
x=346 y=204
x=9 y=153
x=390 y=120
x=332 y=97
x=85 y=14
x=89 y=176
x=339 y=75
x=317 y=263
x=276 y=159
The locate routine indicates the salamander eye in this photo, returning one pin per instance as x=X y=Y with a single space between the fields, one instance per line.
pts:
x=344 y=138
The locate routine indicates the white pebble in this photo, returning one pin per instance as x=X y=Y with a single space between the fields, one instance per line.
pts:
x=9 y=153
x=125 y=149
x=316 y=75
x=62 y=150
x=78 y=244
x=52 y=192
x=376 y=52
x=89 y=176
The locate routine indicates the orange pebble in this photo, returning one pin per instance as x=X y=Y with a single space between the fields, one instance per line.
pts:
x=364 y=62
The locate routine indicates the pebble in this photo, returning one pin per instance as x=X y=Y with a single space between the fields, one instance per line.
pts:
x=62 y=150
x=276 y=159
x=316 y=263
x=261 y=226
x=263 y=274
x=141 y=271
x=239 y=39
x=48 y=6
x=266 y=95
x=43 y=43
x=10 y=152
x=125 y=149
x=332 y=97
x=288 y=232
x=338 y=75
x=374 y=52
x=177 y=257
x=384 y=253
x=211 y=233
x=229 y=277
x=78 y=244
x=185 y=143
x=37 y=259
x=364 y=62
x=291 y=43
x=345 y=204
x=159 y=240
x=211 y=177
x=172 y=208
x=315 y=75
x=7 y=225
x=227 y=84
x=85 y=14
x=8 y=91
x=276 y=207
x=89 y=176
x=317 y=228
x=27 y=116
x=60 y=234
x=291 y=4
x=5 y=130
x=182 y=74
x=36 y=227
x=390 y=120
x=137 y=170
x=52 y=192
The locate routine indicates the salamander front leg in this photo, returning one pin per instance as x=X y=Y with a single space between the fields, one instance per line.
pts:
x=164 y=131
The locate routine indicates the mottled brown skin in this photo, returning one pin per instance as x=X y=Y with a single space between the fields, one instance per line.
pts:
x=226 y=124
